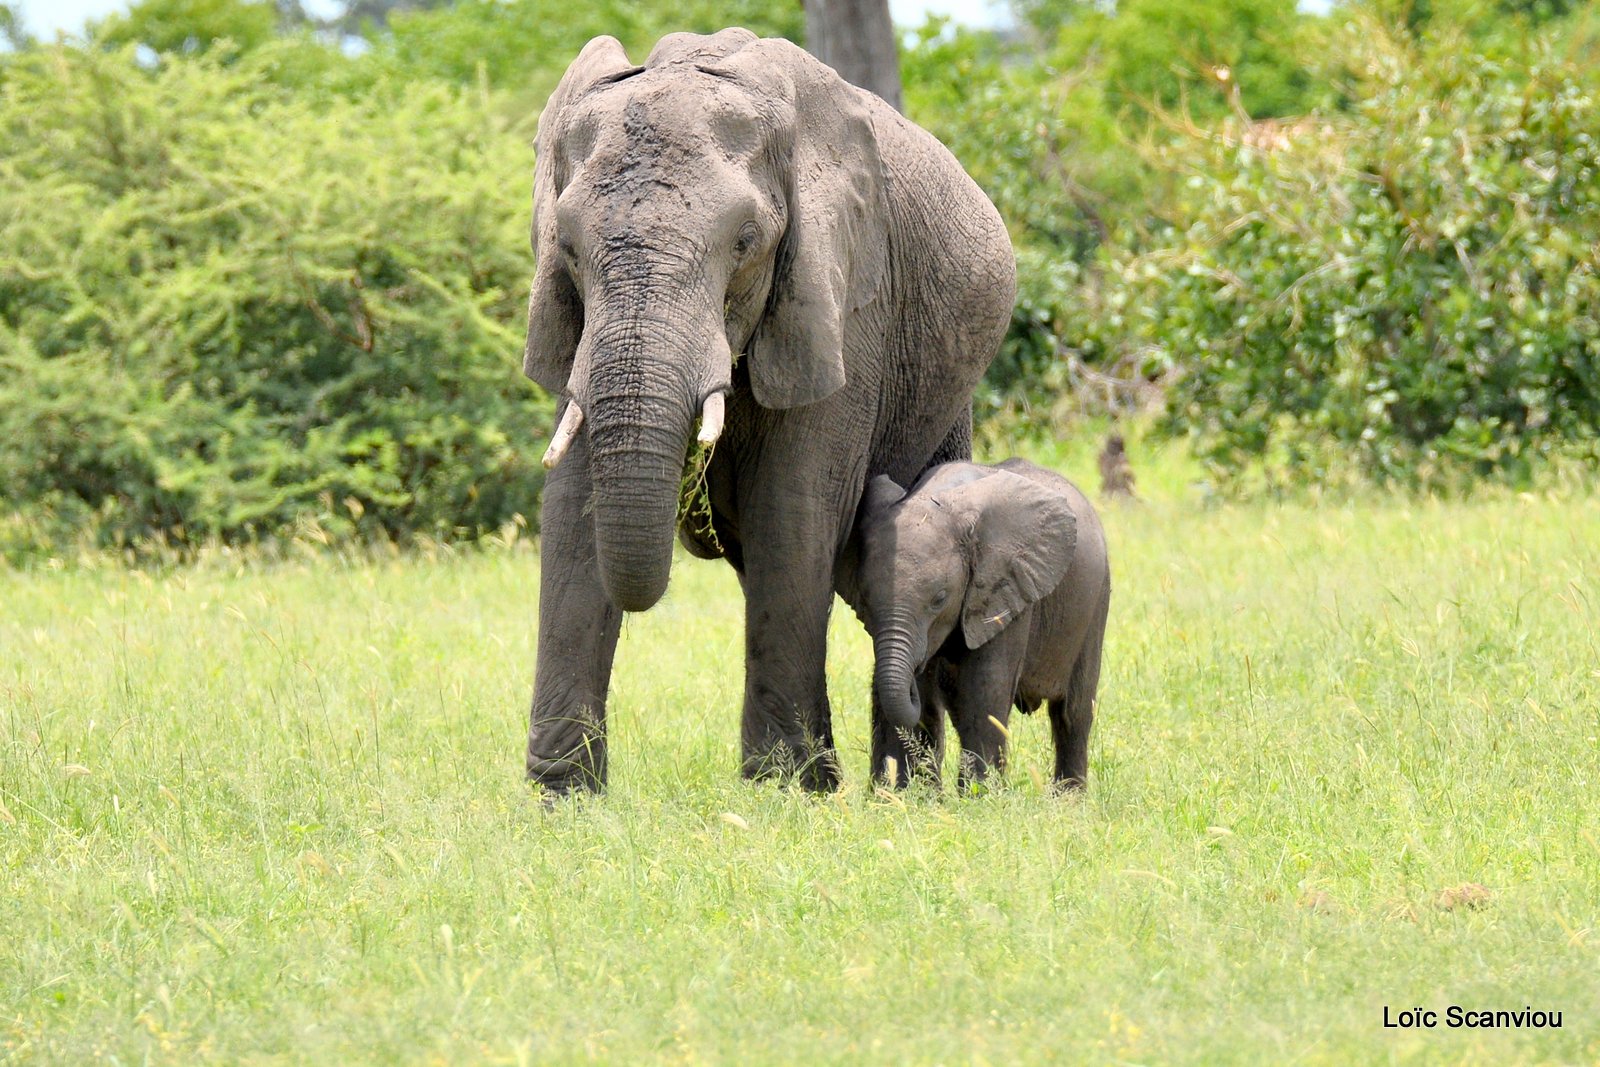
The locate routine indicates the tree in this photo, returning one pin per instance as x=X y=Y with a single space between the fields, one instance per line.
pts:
x=856 y=38
x=359 y=16
x=190 y=27
x=229 y=306
x=1198 y=52
x=12 y=32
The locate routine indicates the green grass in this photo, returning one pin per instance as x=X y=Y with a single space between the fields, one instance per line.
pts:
x=274 y=813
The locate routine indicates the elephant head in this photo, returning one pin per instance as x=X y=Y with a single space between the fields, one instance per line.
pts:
x=721 y=202
x=970 y=546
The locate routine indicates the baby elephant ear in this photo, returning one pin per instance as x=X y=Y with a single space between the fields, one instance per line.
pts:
x=882 y=492
x=1024 y=535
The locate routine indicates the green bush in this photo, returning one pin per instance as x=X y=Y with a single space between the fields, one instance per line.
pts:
x=226 y=310
x=261 y=284
x=1409 y=289
x=1059 y=136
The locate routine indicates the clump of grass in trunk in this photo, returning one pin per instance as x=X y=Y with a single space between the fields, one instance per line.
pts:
x=694 y=498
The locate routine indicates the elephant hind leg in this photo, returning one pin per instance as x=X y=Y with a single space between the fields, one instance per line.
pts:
x=1072 y=718
x=1070 y=732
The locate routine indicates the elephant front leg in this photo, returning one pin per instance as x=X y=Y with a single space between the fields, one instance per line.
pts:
x=578 y=628
x=981 y=699
x=918 y=753
x=787 y=726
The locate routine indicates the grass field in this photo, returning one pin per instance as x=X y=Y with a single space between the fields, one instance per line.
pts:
x=1347 y=757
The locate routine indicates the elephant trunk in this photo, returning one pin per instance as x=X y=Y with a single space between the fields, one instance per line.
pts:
x=894 y=684
x=636 y=463
x=641 y=391
x=636 y=480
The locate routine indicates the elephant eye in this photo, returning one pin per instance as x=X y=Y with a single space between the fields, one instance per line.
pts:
x=748 y=235
x=941 y=598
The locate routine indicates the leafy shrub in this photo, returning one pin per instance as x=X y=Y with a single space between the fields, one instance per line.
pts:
x=1079 y=343
x=225 y=309
x=1410 y=288
x=1058 y=139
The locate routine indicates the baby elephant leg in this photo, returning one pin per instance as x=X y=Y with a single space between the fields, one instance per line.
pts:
x=1072 y=718
x=1069 y=728
x=985 y=686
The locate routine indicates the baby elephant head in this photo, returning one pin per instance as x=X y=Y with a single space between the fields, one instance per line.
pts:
x=968 y=545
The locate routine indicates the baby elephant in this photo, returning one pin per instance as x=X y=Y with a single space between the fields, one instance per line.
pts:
x=1016 y=556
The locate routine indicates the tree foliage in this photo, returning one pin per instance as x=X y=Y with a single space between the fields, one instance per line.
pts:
x=524 y=45
x=187 y=27
x=13 y=34
x=1199 y=53
x=252 y=279
x=1396 y=284
x=225 y=310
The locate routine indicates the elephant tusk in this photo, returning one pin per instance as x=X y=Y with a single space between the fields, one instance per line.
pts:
x=711 y=416
x=561 y=440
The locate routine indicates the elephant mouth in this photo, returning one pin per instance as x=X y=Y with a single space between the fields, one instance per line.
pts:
x=694 y=494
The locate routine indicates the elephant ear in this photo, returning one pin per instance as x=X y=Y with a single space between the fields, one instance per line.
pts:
x=555 y=312
x=1023 y=540
x=832 y=258
x=882 y=492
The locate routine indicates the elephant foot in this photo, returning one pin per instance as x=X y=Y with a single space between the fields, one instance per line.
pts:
x=567 y=755
x=563 y=777
x=978 y=774
x=815 y=768
x=903 y=757
x=820 y=774
x=905 y=771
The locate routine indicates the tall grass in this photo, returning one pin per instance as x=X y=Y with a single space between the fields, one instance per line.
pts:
x=1347 y=757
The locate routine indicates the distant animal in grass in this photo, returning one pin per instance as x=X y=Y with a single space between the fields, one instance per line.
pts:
x=1116 y=473
x=984 y=588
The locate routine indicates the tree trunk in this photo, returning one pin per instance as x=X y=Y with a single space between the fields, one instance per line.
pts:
x=856 y=38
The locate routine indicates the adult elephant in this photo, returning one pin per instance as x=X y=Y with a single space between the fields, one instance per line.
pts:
x=731 y=231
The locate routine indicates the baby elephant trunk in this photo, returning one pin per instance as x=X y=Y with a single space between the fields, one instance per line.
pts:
x=894 y=683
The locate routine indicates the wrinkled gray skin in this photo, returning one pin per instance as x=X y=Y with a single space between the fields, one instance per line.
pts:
x=983 y=588
x=734 y=195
